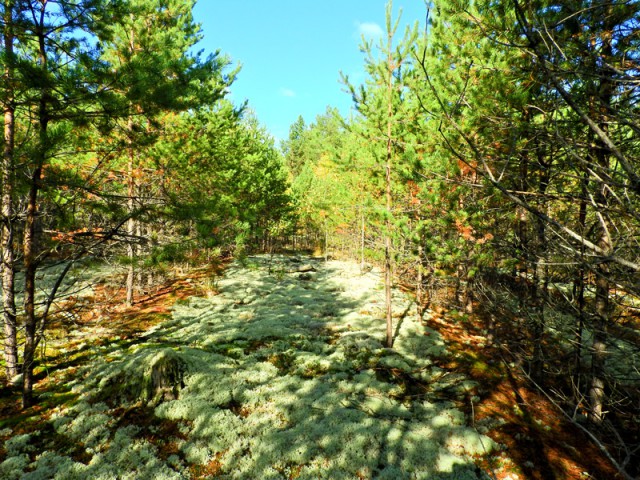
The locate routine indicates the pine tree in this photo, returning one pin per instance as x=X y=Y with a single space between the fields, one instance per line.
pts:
x=7 y=233
x=156 y=72
x=380 y=102
x=552 y=131
x=58 y=71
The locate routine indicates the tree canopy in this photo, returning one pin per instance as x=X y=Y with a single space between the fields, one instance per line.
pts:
x=491 y=167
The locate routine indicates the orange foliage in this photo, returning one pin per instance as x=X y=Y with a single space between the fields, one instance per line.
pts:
x=71 y=237
x=342 y=229
x=487 y=237
x=466 y=231
x=414 y=191
x=468 y=169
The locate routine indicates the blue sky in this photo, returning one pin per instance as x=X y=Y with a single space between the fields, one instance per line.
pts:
x=292 y=51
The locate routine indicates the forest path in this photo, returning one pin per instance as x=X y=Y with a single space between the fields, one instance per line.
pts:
x=281 y=374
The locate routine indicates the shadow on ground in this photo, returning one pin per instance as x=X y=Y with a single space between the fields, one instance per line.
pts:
x=283 y=375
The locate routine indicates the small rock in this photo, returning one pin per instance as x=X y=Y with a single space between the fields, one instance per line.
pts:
x=17 y=380
x=366 y=268
x=305 y=268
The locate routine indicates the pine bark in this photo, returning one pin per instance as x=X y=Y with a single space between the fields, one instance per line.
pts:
x=602 y=105
x=30 y=235
x=579 y=285
x=131 y=187
x=131 y=223
x=30 y=267
x=6 y=235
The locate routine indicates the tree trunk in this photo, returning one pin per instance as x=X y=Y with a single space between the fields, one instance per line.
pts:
x=150 y=271
x=419 y=282
x=131 y=223
x=602 y=104
x=30 y=235
x=138 y=253
x=30 y=266
x=579 y=289
x=597 y=395
x=540 y=283
x=362 y=240
x=131 y=187
x=6 y=235
x=326 y=241
x=388 y=198
x=29 y=285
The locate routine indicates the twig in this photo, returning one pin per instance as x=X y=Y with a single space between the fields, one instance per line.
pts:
x=595 y=440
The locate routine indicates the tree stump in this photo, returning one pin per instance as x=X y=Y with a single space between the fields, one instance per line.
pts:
x=164 y=377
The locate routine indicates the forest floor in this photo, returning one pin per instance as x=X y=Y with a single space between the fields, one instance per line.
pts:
x=276 y=368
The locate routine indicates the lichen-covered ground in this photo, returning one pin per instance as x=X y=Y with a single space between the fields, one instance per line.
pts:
x=281 y=374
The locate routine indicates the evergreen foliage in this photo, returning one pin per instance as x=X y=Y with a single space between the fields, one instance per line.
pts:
x=99 y=98
x=511 y=132
x=490 y=166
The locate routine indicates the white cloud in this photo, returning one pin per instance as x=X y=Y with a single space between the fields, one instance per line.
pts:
x=286 y=92
x=369 y=29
